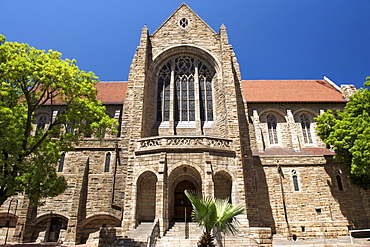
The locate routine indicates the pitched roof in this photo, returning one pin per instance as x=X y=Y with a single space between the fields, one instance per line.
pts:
x=111 y=92
x=255 y=91
x=290 y=91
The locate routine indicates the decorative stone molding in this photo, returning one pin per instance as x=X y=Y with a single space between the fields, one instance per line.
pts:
x=181 y=142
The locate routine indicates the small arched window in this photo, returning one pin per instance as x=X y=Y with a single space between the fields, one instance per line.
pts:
x=339 y=180
x=107 y=162
x=271 y=125
x=306 y=131
x=41 y=123
x=295 y=180
x=61 y=162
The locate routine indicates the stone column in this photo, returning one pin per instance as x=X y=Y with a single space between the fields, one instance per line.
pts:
x=258 y=132
x=162 y=196
x=24 y=228
x=171 y=129
x=293 y=130
x=198 y=122
x=208 y=184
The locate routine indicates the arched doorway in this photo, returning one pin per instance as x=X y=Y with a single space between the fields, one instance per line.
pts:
x=182 y=207
x=56 y=224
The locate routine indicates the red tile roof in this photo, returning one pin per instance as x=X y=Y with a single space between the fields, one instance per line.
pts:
x=112 y=92
x=290 y=91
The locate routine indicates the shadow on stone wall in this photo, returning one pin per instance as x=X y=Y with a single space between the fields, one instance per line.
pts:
x=353 y=205
x=264 y=204
x=258 y=205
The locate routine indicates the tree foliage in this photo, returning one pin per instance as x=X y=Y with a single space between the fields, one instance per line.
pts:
x=348 y=133
x=33 y=79
x=213 y=214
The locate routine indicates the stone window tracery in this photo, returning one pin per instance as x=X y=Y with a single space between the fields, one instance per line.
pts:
x=41 y=123
x=305 y=124
x=271 y=125
x=185 y=91
x=183 y=22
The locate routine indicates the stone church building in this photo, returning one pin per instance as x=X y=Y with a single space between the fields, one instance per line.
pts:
x=189 y=121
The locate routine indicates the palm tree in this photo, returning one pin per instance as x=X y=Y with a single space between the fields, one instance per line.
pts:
x=213 y=213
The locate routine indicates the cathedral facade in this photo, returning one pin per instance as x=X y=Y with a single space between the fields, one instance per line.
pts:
x=189 y=122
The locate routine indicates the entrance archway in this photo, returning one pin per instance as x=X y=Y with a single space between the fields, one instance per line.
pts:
x=184 y=177
x=182 y=207
x=56 y=224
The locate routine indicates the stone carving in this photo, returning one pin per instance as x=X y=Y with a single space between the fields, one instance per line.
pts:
x=184 y=141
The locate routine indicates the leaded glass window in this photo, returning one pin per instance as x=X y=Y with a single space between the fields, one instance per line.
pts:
x=192 y=82
x=271 y=125
x=205 y=93
x=163 y=102
x=305 y=123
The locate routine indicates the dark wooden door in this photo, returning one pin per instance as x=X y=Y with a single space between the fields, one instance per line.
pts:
x=182 y=203
x=55 y=226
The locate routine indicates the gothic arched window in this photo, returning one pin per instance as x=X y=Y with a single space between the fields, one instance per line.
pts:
x=271 y=125
x=305 y=123
x=41 y=123
x=339 y=180
x=185 y=91
x=295 y=180
x=107 y=162
x=61 y=162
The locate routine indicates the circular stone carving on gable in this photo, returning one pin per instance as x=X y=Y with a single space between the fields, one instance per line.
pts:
x=183 y=22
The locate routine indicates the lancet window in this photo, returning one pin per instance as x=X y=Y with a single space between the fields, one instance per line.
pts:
x=305 y=123
x=185 y=91
x=271 y=125
x=295 y=180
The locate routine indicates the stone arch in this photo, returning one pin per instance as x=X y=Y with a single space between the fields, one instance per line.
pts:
x=47 y=227
x=8 y=219
x=151 y=122
x=185 y=164
x=311 y=114
x=222 y=185
x=280 y=116
x=41 y=121
x=146 y=196
x=305 y=118
x=184 y=49
x=181 y=178
x=89 y=228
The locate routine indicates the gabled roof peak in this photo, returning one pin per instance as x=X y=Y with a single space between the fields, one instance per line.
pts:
x=183 y=5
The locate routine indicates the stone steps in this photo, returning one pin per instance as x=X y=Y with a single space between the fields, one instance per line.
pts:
x=175 y=237
x=137 y=237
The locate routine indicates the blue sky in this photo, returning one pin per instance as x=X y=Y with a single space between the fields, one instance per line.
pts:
x=272 y=39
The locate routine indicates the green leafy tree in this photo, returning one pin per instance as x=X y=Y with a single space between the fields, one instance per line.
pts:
x=213 y=214
x=31 y=79
x=348 y=133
